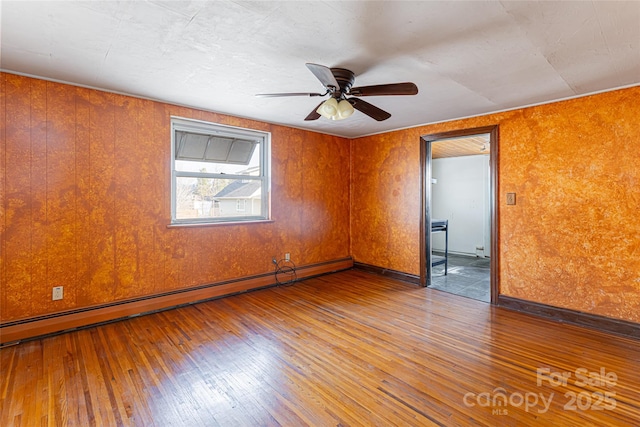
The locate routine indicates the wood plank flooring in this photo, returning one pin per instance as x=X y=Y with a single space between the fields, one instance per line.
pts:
x=350 y=348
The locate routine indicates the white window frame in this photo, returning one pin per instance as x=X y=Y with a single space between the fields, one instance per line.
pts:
x=198 y=126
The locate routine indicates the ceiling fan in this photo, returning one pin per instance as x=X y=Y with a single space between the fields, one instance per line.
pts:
x=338 y=83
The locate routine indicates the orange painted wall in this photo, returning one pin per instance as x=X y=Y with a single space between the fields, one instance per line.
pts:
x=572 y=240
x=85 y=201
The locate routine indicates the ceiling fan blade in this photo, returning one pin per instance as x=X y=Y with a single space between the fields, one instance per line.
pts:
x=323 y=74
x=274 y=95
x=369 y=109
x=314 y=115
x=388 y=89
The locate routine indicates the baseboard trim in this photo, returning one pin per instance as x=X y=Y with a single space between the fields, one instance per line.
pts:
x=394 y=274
x=574 y=317
x=15 y=331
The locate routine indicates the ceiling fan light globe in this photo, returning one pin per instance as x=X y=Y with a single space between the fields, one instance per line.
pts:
x=345 y=109
x=329 y=108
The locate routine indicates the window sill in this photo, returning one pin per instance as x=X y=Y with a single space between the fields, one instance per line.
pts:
x=217 y=224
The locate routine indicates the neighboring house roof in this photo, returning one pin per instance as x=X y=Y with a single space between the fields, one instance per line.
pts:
x=239 y=190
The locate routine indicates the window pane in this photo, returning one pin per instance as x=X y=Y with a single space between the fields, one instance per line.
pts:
x=219 y=173
x=217 y=198
x=252 y=168
x=211 y=148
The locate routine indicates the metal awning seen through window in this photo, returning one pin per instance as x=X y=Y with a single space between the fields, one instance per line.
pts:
x=214 y=149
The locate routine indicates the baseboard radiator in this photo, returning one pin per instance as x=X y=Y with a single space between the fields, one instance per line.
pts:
x=15 y=331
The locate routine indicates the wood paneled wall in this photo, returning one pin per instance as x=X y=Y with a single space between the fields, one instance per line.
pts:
x=85 y=181
x=85 y=201
x=572 y=240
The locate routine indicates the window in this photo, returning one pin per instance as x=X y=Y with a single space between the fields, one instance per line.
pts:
x=219 y=173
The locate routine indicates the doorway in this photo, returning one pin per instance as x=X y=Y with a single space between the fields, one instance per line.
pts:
x=441 y=251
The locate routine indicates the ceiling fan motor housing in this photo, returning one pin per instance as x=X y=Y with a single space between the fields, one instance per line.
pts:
x=345 y=79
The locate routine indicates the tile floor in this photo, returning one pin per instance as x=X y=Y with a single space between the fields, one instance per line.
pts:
x=467 y=276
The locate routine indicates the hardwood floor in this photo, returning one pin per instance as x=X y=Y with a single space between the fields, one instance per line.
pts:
x=350 y=348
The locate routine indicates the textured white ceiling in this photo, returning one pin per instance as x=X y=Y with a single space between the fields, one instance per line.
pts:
x=467 y=58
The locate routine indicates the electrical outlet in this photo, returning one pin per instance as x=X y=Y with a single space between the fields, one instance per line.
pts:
x=57 y=293
x=287 y=256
